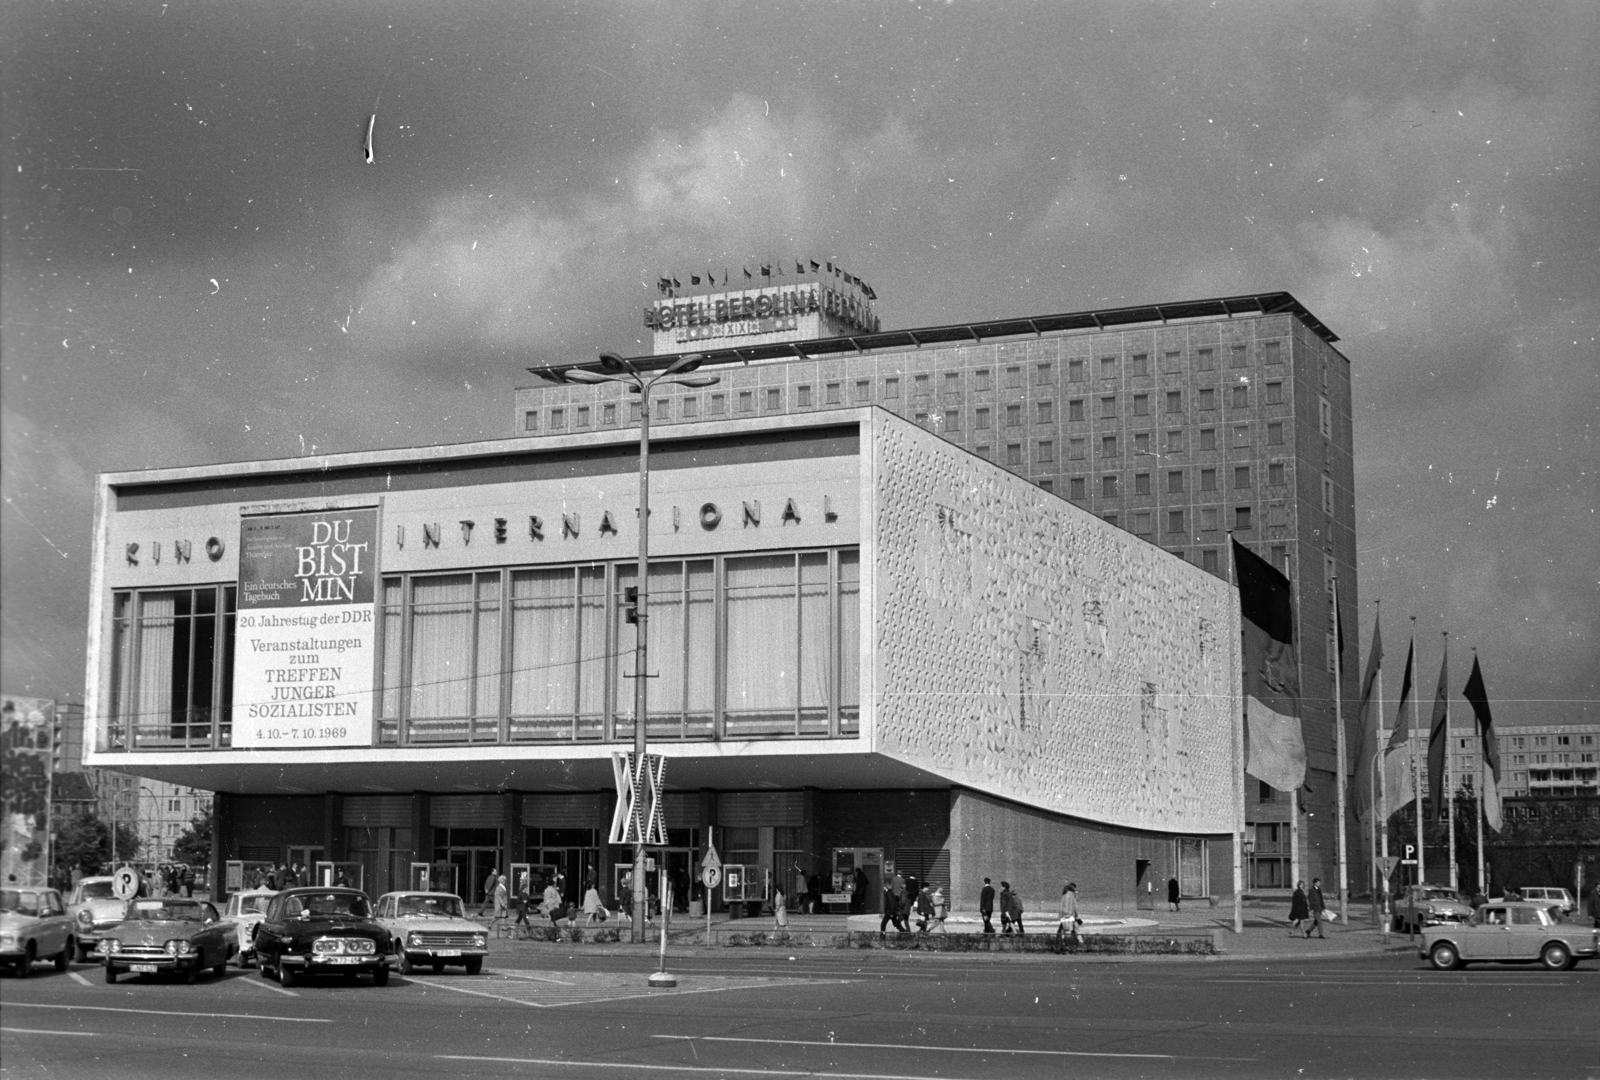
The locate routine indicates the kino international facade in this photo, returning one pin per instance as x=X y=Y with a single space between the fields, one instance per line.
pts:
x=899 y=618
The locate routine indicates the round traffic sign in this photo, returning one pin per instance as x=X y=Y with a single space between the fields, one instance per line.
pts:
x=711 y=875
x=125 y=883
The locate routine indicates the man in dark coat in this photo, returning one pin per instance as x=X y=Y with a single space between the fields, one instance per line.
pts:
x=986 y=906
x=1172 y=894
x=1318 y=907
x=1299 y=911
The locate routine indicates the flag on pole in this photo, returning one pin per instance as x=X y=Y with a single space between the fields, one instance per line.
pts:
x=1368 y=719
x=1397 y=775
x=1438 y=736
x=1479 y=699
x=1275 y=748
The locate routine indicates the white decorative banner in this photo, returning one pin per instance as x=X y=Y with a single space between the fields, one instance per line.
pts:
x=307 y=630
x=641 y=787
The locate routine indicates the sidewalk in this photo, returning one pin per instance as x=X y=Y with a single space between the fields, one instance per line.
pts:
x=1267 y=935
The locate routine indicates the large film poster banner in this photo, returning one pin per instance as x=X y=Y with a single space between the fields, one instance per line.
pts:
x=306 y=639
x=26 y=728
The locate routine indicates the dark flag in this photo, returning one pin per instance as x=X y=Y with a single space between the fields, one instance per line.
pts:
x=676 y=284
x=1368 y=720
x=1438 y=736
x=662 y=285
x=815 y=266
x=1479 y=699
x=871 y=295
x=746 y=270
x=694 y=279
x=766 y=270
x=799 y=267
x=1275 y=748
x=1398 y=776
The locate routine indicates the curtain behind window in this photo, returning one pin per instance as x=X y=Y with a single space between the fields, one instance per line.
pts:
x=849 y=635
x=441 y=646
x=763 y=651
x=544 y=627
x=152 y=701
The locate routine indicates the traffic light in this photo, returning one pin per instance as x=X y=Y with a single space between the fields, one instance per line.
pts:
x=630 y=603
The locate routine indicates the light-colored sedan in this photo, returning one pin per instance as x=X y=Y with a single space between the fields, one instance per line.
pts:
x=245 y=911
x=94 y=908
x=432 y=928
x=1508 y=933
x=1423 y=906
x=34 y=926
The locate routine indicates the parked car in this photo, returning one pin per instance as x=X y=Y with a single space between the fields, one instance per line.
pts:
x=1544 y=894
x=167 y=935
x=1511 y=932
x=94 y=908
x=432 y=928
x=321 y=931
x=1423 y=906
x=34 y=925
x=245 y=911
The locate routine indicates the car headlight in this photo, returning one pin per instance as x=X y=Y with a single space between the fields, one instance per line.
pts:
x=115 y=945
x=8 y=941
x=478 y=941
x=326 y=945
x=85 y=918
x=363 y=946
x=413 y=938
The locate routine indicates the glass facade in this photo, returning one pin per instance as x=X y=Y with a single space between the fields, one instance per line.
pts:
x=741 y=646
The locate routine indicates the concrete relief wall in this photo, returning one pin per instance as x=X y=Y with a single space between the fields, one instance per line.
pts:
x=1027 y=649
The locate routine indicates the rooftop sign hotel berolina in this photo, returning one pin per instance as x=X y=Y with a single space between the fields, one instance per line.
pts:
x=306 y=639
x=823 y=303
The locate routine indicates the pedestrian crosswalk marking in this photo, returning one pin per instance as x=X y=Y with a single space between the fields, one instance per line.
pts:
x=579 y=988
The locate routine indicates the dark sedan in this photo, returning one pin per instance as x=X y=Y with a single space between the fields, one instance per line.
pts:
x=167 y=936
x=321 y=931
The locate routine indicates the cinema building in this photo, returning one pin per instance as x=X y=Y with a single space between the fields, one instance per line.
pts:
x=887 y=628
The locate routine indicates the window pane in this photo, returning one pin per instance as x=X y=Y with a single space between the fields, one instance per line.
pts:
x=849 y=638
x=814 y=644
x=441 y=646
x=543 y=654
x=762 y=640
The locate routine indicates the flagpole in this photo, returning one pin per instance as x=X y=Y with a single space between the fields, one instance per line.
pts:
x=1234 y=679
x=1449 y=799
x=1483 y=785
x=1339 y=748
x=1416 y=759
x=1380 y=803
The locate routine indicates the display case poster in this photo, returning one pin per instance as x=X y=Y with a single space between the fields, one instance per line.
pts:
x=307 y=634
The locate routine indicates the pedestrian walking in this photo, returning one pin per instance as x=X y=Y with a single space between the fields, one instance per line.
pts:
x=924 y=908
x=1172 y=894
x=501 y=897
x=1594 y=904
x=1005 y=907
x=520 y=905
x=986 y=906
x=888 y=914
x=552 y=903
x=488 y=890
x=902 y=903
x=1016 y=910
x=1318 y=906
x=1299 y=910
x=1068 y=923
x=593 y=909
x=941 y=911
x=780 y=906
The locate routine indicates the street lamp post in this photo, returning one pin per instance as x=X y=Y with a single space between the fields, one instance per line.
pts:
x=618 y=370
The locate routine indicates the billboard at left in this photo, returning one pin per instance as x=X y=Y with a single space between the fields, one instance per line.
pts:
x=307 y=630
x=27 y=726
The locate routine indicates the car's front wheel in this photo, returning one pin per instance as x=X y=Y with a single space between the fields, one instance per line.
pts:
x=25 y=965
x=64 y=957
x=1556 y=956
x=474 y=964
x=286 y=976
x=1444 y=957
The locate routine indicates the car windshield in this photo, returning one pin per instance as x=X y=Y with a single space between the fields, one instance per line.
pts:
x=95 y=890
x=1554 y=914
x=22 y=902
x=327 y=905
x=165 y=911
x=429 y=907
x=1437 y=894
x=254 y=905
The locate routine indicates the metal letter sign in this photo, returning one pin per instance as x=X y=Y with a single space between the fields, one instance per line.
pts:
x=639 y=817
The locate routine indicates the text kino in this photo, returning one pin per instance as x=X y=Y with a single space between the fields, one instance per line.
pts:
x=329 y=566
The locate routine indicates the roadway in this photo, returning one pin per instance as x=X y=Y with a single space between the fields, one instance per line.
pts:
x=759 y=1014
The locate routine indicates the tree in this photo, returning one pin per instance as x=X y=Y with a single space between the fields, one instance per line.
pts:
x=83 y=843
x=193 y=848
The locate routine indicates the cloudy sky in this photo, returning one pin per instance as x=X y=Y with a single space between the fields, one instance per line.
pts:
x=199 y=266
